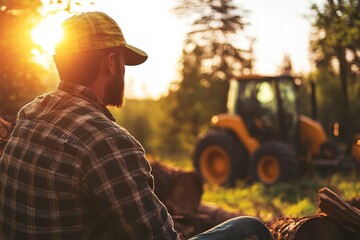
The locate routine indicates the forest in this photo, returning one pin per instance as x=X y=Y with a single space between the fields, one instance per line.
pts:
x=190 y=103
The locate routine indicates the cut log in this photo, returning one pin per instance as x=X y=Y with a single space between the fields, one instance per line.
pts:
x=336 y=208
x=308 y=228
x=178 y=189
x=336 y=219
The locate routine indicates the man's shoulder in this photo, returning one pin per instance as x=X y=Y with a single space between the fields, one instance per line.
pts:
x=98 y=127
x=78 y=118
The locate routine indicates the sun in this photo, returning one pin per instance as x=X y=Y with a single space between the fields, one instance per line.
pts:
x=48 y=32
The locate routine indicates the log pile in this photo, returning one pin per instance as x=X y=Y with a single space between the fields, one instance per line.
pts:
x=335 y=220
x=327 y=224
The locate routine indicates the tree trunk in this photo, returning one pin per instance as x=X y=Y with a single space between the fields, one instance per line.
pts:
x=344 y=75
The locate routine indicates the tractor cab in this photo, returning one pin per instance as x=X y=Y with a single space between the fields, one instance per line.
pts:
x=267 y=105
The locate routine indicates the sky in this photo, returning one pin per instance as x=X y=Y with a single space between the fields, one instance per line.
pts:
x=150 y=26
x=279 y=27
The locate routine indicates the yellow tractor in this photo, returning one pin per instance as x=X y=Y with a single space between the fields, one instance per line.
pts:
x=263 y=137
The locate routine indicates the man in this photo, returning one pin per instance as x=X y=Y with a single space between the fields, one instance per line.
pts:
x=69 y=171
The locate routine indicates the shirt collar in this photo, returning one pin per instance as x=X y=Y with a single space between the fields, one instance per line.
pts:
x=85 y=93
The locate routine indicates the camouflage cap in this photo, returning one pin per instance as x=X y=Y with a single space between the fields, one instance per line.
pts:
x=94 y=31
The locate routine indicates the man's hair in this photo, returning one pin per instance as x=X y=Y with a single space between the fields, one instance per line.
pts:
x=82 y=68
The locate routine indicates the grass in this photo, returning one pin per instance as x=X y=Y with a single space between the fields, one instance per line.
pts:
x=291 y=199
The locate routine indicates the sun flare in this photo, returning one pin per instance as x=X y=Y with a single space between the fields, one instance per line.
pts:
x=48 y=32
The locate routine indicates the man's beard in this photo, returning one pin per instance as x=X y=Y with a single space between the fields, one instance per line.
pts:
x=114 y=94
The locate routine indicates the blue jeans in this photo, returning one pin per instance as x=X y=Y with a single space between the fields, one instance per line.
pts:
x=239 y=228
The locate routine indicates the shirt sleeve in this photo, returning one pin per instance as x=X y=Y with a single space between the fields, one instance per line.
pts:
x=118 y=176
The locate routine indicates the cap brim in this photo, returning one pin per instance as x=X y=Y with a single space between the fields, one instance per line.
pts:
x=134 y=55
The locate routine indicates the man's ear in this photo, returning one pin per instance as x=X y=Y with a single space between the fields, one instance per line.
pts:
x=110 y=63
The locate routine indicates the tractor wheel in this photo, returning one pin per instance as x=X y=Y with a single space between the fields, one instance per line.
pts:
x=220 y=158
x=274 y=162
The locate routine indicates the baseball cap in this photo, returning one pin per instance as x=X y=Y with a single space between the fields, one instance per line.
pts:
x=93 y=31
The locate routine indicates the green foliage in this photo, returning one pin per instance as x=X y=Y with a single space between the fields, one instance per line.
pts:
x=335 y=48
x=348 y=186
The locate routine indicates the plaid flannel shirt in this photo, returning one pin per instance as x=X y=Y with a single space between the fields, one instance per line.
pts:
x=70 y=172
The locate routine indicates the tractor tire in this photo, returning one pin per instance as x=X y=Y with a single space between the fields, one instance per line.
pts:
x=220 y=158
x=274 y=162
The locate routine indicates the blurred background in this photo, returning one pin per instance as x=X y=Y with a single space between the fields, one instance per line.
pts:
x=195 y=47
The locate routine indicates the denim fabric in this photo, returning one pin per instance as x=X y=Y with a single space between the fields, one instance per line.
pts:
x=239 y=228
